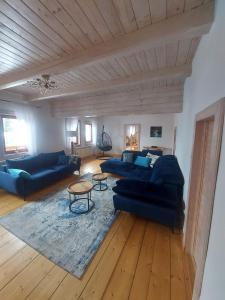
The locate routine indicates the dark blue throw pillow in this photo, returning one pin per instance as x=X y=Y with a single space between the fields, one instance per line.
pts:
x=63 y=160
x=128 y=157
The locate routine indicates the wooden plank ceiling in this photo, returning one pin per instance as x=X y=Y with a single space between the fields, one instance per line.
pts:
x=108 y=56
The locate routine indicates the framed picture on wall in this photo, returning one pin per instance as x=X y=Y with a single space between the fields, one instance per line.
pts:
x=156 y=131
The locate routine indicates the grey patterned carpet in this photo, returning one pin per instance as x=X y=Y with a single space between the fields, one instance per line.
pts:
x=67 y=239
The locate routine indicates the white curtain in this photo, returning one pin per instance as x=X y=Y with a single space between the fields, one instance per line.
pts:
x=26 y=129
x=71 y=124
x=27 y=126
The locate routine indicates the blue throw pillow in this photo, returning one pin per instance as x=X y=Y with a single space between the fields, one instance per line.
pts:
x=63 y=160
x=128 y=157
x=18 y=172
x=142 y=161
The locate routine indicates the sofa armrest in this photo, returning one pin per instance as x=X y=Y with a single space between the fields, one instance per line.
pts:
x=12 y=184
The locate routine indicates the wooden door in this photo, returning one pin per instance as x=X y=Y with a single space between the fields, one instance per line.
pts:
x=205 y=162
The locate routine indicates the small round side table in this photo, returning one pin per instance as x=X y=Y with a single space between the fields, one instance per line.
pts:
x=77 y=190
x=101 y=181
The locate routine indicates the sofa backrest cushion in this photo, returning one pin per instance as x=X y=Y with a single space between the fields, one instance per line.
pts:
x=50 y=159
x=28 y=164
x=154 y=152
x=32 y=164
x=63 y=159
x=135 y=154
x=128 y=157
x=166 y=170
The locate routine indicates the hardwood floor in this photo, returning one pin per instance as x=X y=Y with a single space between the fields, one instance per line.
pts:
x=138 y=259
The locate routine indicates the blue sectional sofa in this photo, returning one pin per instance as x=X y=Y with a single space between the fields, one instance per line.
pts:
x=32 y=173
x=154 y=193
x=125 y=169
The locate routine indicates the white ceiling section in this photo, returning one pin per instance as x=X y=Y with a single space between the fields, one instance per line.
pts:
x=111 y=56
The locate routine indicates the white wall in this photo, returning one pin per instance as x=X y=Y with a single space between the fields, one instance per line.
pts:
x=115 y=127
x=205 y=86
x=49 y=130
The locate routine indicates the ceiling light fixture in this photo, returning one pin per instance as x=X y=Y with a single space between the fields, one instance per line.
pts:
x=44 y=84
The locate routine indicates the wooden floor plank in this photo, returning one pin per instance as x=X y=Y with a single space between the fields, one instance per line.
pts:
x=140 y=284
x=159 y=285
x=20 y=287
x=122 y=277
x=5 y=238
x=10 y=208
x=16 y=264
x=177 y=269
x=48 y=284
x=104 y=270
x=72 y=287
x=10 y=249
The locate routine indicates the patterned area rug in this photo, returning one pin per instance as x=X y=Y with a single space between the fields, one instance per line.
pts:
x=67 y=239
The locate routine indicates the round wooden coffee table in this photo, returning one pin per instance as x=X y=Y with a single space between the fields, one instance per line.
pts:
x=77 y=190
x=99 y=178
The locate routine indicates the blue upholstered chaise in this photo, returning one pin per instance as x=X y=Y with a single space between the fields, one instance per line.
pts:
x=155 y=193
x=44 y=169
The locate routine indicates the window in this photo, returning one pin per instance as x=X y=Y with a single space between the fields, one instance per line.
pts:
x=88 y=133
x=14 y=135
x=72 y=132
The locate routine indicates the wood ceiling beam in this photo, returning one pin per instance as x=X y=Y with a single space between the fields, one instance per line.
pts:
x=190 y=24
x=135 y=97
x=112 y=105
x=180 y=72
x=164 y=107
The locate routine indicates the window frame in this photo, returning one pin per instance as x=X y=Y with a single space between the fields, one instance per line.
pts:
x=91 y=141
x=17 y=151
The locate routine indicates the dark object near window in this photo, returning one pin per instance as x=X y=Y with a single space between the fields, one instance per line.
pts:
x=104 y=142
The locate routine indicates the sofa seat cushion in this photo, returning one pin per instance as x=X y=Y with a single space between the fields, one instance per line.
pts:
x=59 y=168
x=141 y=173
x=117 y=166
x=42 y=174
x=147 y=197
x=145 y=191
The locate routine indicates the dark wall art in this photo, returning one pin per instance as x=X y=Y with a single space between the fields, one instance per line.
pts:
x=156 y=131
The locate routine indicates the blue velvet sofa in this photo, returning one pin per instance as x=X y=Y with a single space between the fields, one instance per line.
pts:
x=125 y=169
x=40 y=171
x=157 y=194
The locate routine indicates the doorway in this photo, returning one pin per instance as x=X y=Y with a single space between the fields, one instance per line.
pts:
x=205 y=162
x=132 y=136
